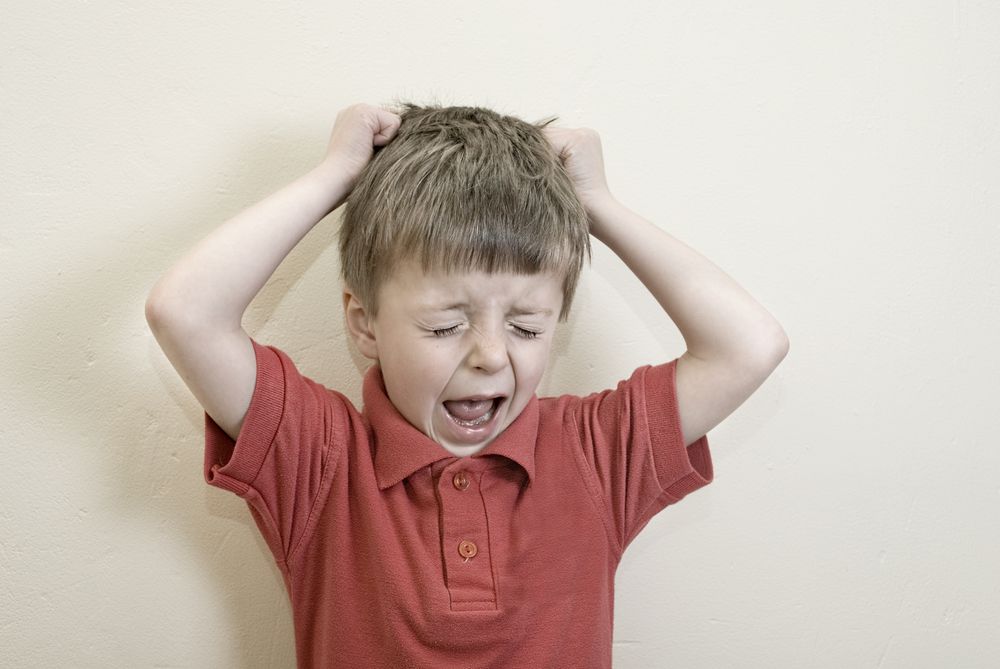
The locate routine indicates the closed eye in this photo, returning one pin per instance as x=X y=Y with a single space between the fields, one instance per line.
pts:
x=527 y=334
x=445 y=332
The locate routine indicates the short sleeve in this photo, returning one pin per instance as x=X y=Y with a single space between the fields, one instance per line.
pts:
x=632 y=441
x=286 y=452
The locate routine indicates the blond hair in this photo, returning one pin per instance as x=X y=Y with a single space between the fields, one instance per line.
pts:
x=463 y=189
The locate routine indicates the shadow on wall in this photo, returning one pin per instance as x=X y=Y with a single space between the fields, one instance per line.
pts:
x=108 y=382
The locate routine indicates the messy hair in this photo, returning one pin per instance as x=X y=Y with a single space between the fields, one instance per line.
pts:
x=463 y=189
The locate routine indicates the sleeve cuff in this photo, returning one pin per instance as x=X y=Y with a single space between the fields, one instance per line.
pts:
x=679 y=470
x=234 y=465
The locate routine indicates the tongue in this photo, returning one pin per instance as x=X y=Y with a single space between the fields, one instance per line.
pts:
x=468 y=409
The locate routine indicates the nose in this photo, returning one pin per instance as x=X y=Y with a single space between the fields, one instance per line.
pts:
x=489 y=352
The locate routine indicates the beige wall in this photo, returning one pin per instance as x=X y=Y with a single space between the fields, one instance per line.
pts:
x=840 y=160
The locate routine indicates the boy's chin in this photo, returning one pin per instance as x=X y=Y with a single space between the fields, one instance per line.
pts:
x=463 y=451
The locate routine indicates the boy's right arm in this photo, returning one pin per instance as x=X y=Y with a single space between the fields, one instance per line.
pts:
x=195 y=310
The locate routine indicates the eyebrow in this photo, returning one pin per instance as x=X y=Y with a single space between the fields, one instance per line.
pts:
x=462 y=306
x=457 y=306
x=530 y=312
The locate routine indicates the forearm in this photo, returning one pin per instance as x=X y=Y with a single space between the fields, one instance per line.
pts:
x=217 y=279
x=716 y=316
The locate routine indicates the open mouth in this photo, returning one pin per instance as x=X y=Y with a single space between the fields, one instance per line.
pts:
x=474 y=412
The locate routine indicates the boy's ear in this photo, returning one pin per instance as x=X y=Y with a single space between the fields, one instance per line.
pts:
x=360 y=326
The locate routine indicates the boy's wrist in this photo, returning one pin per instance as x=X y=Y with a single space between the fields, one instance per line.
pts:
x=332 y=183
x=602 y=213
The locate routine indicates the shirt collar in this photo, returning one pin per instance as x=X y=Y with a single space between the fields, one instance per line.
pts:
x=401 y=449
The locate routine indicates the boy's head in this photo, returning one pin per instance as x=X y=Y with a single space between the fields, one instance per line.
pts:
x=463 y=188
x=461 y=246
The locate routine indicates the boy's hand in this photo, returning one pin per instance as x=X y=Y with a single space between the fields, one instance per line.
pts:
x=579 y=150
x=356 y=131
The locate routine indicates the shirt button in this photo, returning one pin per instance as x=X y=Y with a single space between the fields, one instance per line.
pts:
x=467 y=549
x=461 y=481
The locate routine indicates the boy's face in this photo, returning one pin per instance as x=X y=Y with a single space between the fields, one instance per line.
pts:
x=461 y=353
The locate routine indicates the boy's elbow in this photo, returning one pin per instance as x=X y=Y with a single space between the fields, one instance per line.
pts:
x=159 y=312
x=781 y=344
x=769 y=349
x=153 y=312
x=169 y=312
x=155 y=303
x=776 y=348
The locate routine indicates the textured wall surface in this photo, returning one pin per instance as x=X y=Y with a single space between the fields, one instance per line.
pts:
x=840 y=160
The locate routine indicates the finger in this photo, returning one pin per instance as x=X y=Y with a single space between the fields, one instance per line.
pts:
x=557 y=138
x=387 y=125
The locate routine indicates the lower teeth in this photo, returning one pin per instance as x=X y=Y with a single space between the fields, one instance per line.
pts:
x=476 y=422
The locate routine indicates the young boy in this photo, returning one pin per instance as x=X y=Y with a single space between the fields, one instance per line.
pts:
x=456 y=520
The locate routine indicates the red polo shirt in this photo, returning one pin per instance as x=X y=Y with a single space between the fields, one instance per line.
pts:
x=397 y=553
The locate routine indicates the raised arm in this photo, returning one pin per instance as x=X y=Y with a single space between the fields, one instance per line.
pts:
x=733 y=343
x=195 y=309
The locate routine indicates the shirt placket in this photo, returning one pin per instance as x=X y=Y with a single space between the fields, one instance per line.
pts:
x=465 y=542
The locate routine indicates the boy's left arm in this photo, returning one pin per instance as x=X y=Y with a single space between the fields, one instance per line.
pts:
x=733 y=343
